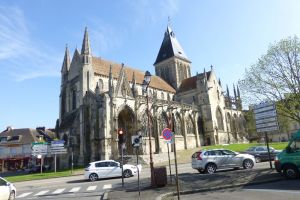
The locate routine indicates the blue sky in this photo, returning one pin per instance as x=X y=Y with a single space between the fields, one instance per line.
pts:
x=230 y=35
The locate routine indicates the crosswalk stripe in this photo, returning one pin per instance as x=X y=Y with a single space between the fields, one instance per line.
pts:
x=24 y=195
x=91 y=188
x=107 y=186
x=41 y=193
x=75 y=189
x=58 y=191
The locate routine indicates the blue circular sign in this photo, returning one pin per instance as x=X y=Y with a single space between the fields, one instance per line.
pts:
x=167 y=134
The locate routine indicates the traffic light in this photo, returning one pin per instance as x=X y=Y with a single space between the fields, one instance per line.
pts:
x=121 y=136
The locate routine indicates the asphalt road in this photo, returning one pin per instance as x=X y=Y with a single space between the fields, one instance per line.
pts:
x=76 y=186
x=286 y=189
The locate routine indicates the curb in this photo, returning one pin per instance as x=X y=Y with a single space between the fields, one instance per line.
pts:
x=170 y=194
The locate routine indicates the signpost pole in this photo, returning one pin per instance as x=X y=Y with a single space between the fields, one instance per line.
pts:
x=122 y=165
x=175 y=157
x=55 y=162
x=72 y=162
x=41 y=164
x=169 y=163
x=267 y=142
x=138 y=171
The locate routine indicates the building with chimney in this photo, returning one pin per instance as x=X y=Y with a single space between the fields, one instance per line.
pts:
x=98 y=97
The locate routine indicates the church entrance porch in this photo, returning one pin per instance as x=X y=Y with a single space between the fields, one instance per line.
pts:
x=126 y=123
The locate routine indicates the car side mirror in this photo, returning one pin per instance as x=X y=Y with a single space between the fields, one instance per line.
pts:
x=8 y=183
x=288 y=149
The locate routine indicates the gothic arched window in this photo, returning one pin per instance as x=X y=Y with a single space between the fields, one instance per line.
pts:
x=220 y=119
x=189 y=126
x=101 y=85
x=177 y=126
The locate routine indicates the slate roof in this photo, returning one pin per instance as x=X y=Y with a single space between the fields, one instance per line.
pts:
x=102 y=67
x=26 y=135
x=191 y=83
x=170 y=47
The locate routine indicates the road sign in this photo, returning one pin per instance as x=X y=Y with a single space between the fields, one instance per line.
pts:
x=265 y=117
x=40 y=148
x=58 y=147
x=167 y=134
x=136 y=140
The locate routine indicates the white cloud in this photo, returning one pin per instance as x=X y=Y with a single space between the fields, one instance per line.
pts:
x=20 y=56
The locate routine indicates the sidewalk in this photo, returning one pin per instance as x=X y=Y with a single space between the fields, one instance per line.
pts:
x=193 y=183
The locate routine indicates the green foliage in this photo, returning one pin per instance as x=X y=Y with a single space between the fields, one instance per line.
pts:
x=276 y=77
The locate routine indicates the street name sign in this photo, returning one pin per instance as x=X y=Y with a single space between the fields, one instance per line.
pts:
x=265 y=117
x=39 y=148
x=58 y=147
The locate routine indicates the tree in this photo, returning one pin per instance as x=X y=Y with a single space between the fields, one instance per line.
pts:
x=276 y=77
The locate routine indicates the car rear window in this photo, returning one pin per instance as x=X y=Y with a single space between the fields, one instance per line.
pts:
x=195 y=155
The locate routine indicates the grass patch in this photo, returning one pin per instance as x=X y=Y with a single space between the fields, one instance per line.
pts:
x=45 y=175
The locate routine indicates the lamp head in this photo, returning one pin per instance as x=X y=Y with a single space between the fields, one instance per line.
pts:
x=147 y=77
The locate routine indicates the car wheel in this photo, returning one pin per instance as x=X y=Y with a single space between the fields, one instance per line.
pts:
x=93 y=177
x=291 y=172
x=11 y=195
x=210 y=168
x=127 y=173
x=248 y=164
x=257 y=159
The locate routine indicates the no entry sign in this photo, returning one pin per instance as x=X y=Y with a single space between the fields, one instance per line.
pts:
x=167 y=134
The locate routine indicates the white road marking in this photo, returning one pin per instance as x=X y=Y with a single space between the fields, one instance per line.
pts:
x=24 y=195
x=107 y=186
x=278 y=191
x=58 y=191
x=41 y=193
x=75 y=189
x=91 y=188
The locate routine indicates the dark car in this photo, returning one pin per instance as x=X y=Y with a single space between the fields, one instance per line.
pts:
x=261 y=153
x=37 y=169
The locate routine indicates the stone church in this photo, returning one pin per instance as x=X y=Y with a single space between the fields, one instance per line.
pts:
x=98 y=97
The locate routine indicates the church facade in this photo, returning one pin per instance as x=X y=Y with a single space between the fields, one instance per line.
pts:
x=98 y=97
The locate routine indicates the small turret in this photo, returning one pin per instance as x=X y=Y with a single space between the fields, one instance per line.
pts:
x=134 y=89
x=66 y=63
x=110 y=82
x=86 y=48
x=65 y=66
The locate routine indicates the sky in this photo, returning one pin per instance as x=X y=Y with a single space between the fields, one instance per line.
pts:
x=230 y=35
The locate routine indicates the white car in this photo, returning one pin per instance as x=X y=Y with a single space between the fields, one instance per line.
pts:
x=108 y=169
x=7 y=190
x=209 y=161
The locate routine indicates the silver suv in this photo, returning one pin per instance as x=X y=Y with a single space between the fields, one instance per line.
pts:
x=209 y=161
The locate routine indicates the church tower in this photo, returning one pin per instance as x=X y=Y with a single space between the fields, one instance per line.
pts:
x=171 y=63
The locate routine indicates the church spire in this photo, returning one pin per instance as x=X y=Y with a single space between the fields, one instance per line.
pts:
x=66 y=63
x=238 y=92
x=86 y=48
x=234 y=91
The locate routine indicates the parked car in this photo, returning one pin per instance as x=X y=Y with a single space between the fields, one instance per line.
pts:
x=261 y=153
x=107 y=169
x=209 y=161
x=7 y=190
x=36 y=169
x=288 y=161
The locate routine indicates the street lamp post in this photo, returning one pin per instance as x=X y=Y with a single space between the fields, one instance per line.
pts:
x=146 y=83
